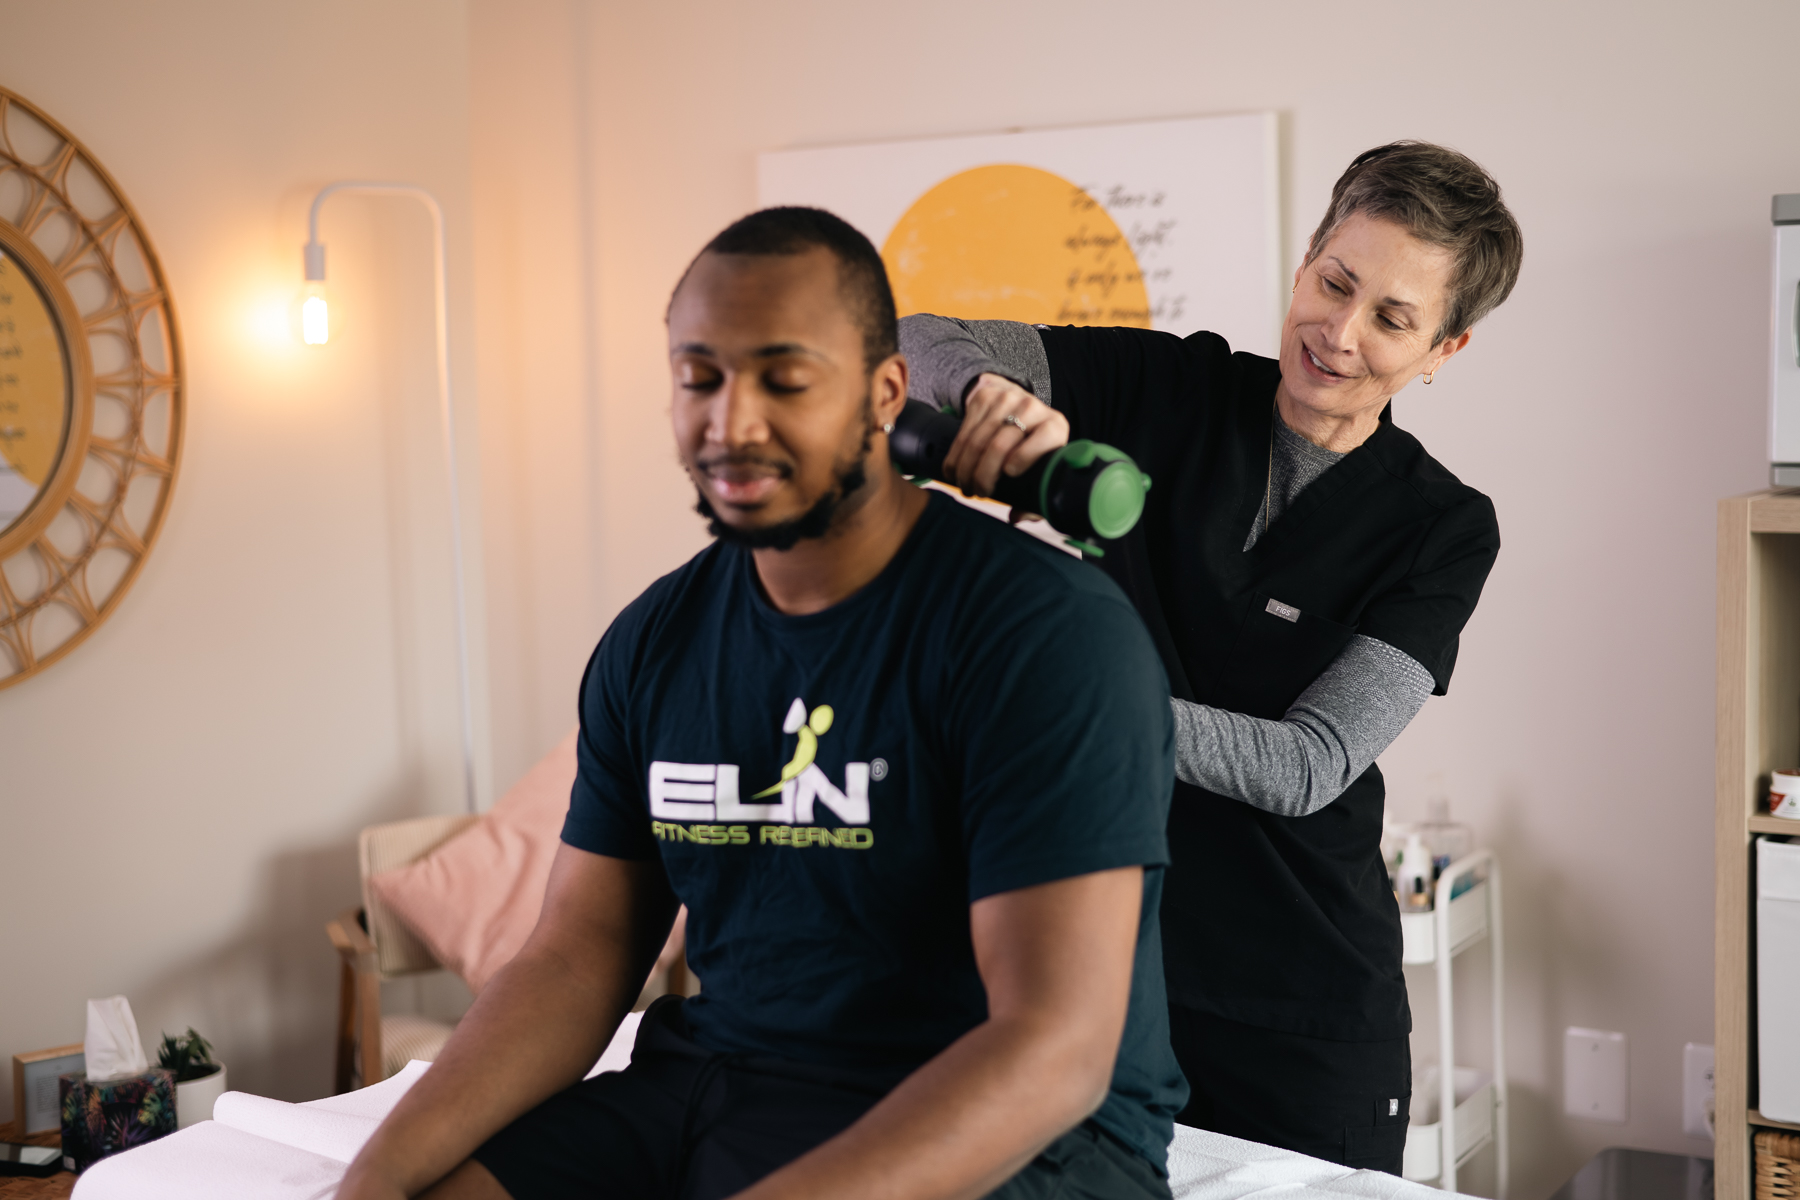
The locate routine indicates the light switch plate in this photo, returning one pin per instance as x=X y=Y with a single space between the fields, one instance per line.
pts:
x=1697 y=1090
x=1594 y=1080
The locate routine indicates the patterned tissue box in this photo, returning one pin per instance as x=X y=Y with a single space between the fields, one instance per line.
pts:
x=100 y=1119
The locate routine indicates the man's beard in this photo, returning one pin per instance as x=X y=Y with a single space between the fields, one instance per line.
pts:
x=816 y=521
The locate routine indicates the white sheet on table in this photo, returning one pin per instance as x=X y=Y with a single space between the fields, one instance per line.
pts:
x=255 y=1146
x=617 y=1055
x=373 y=1102
x=271 y=1149
x=333 y=1134
x=210 y=1161
x=1211 y=1166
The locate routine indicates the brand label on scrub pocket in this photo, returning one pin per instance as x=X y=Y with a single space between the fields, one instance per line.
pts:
x=1286 y=612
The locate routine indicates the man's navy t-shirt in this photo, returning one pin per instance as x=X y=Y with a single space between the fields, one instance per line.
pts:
x=829 y=793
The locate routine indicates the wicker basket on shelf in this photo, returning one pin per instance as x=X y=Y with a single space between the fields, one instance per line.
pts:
x=1777 y=1165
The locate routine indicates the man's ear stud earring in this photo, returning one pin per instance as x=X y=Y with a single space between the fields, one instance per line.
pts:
x=888 y=428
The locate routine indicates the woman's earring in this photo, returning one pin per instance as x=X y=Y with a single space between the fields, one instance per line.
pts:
x=888 y=428
x=1428 y=376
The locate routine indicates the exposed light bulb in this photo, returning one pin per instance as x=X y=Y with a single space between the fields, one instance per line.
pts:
x=315 y=316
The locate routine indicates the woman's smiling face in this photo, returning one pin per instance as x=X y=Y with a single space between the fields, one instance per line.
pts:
x=1362 y=320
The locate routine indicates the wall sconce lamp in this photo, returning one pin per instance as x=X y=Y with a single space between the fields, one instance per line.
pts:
x=315 y=330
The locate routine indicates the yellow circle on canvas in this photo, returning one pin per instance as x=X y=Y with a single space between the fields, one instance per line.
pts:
x=1015 y=243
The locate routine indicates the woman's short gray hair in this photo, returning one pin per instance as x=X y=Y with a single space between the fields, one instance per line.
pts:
x=1443 y=198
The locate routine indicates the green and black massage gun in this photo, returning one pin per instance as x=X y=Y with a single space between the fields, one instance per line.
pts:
x=1085 y=490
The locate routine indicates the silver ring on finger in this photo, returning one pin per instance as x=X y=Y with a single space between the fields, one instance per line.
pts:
x=1010 y=419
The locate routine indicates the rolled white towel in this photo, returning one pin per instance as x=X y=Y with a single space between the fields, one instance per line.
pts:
x=210 y=1161
x=336 y=1135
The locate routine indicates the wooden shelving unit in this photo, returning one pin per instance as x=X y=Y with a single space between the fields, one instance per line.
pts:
x=1758 y=730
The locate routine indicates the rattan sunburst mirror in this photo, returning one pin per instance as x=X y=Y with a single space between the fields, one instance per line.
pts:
x=90 y=392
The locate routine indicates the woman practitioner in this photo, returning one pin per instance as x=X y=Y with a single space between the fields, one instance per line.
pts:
x=1305 y=569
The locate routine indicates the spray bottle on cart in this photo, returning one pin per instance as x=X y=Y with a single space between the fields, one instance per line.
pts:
x=1412 y=886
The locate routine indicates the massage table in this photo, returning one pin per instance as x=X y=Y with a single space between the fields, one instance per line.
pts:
x=273 y=1150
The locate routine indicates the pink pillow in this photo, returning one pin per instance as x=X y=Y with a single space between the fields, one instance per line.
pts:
x=475 y=899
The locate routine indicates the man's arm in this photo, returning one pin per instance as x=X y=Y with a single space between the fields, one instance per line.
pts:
x=536 y=1028
x=1056 y=961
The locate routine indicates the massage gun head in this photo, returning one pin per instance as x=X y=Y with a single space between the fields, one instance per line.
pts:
x=1084 y=489
x=1095 y=485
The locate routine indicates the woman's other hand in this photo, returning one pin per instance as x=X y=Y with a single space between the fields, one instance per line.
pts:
x=989 y=443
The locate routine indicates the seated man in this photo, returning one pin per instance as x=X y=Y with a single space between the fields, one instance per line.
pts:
x=909 y=771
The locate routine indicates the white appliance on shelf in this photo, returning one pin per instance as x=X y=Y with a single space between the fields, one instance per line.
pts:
x=1456 y=1113
x=1778 y=979
x=1784 y=346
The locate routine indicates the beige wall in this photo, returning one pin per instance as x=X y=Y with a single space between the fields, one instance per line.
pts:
x=537 y=367
x=179 y=798
x=278 y=679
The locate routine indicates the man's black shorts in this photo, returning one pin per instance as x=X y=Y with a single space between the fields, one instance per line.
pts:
x=684 y=1123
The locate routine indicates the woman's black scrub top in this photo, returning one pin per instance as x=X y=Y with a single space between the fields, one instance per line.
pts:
x=1278 y=922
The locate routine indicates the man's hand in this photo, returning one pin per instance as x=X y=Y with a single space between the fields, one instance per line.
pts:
x=989 y=444
x=537 y=1028
x=1056 y=960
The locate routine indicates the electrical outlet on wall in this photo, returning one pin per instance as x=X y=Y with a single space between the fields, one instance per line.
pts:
x=1697 y=1090
x=1594 y=1079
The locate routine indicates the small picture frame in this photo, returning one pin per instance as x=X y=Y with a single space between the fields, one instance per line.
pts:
x=37 y=1103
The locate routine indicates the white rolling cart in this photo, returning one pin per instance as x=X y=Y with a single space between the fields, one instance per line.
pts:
x=1471 y=1104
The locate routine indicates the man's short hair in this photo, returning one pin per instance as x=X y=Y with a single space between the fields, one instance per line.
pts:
x=862 y=276
x=1445 y=199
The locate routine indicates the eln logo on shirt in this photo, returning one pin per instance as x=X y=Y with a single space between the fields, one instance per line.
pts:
x=708 y=792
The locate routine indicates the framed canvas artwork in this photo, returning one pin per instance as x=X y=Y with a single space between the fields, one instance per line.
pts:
x=1169 y=225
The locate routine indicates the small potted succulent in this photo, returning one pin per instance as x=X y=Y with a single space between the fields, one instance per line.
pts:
x=198 y=1079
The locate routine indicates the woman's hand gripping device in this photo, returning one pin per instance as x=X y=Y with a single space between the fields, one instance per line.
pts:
x=1085 y=490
